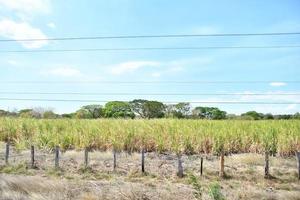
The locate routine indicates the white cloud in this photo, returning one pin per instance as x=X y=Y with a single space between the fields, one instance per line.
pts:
x=63 y=71
x=22 y=30
x=51 y=25
x=277 y=84
x=176 y=66
x=132 y=66
x=27 y=6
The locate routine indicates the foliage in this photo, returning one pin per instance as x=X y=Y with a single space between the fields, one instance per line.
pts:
x=154 y=109
x=94 y=111
x=118 y=109
x=253 y=115
x=49 y=115
x=215 y=192
x=196 y=185
x=148 y=109
x=209 y=113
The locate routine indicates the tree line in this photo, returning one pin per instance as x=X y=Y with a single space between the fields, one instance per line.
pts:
x=141 y=108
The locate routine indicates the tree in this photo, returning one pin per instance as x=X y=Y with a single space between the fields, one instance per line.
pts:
x=182 y=110
x=3 y=113
x=49 y=114
x=252 y=115
x=83 y=114
x=154 y=109
x=148 y=109
x=118 y=109
x=268 y=116
x=95 y=111
x=296 y=115
x=138 y=107
x=283 y=116
x=169 y=111
x=68 y=115
x=26 y=113
x=209 y=113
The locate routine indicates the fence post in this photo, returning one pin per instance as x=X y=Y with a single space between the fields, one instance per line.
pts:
x=32 y=156
x=221 y=172
x=143 y=160
x=7 y=152
x=115 y=159
x=86 y=157
x=56 y=157
x=180 y=167
x=267 y=171
x=298 y=158
x=201 y=166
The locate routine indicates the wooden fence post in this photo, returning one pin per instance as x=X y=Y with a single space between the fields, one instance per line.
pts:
x=32 y=156
x=143 y=160
x=7 y=152
x=221 y=172
x=180 y=167
x=267 y=167
x=115 y=159
x=56 y=157
x=298 y=158
x=201 y=166
x=86 y=157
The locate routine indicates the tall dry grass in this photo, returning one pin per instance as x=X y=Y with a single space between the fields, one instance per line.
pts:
x=161 y=135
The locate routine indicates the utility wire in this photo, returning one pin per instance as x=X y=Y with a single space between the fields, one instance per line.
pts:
x=148 y=49
x=152 y=36
x=152 y=82
x=150 y=94
x=170 y=102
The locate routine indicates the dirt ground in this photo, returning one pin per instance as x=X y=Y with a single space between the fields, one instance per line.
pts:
x=244 y=177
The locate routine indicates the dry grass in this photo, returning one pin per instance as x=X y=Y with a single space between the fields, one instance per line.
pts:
x=99 y=181
x=157 y=135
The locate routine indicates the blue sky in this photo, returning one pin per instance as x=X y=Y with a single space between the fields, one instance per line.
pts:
x=55 y=18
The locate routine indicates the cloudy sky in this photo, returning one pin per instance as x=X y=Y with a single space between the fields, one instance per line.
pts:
x=25 y=19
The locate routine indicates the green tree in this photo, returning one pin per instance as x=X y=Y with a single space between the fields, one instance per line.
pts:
x=268 y=116
x=49 y=114
x=26 y=113
x=252 y=115
x=68 y=115
x=209 y=113
x=3 y=113
x=182 y=110
x=154 y=109
x=83 y=114
x=118 y=109
x=94 y=110
x=148 y=109
x=138 y=107
x=296 y=115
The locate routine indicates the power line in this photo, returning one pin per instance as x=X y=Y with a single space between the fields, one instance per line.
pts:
x=153 y=82
x=169 y=102
x=148 y=49
x=150 y=94
x=152 y=36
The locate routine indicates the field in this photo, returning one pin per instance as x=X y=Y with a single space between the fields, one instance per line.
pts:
x=160 y=135
x=243 y=143
x=244 y=178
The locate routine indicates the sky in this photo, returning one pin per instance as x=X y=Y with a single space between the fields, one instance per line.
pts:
x=25 y=19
